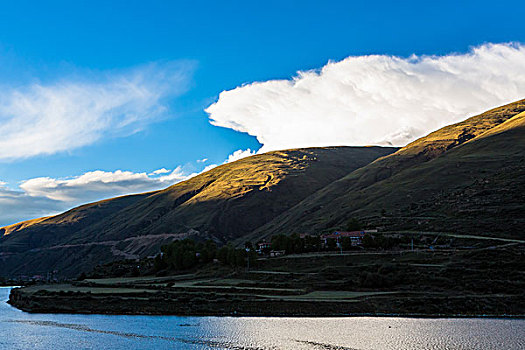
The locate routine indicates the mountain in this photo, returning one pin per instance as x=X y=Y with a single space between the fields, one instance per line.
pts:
x=226 y=203
x=464 y=178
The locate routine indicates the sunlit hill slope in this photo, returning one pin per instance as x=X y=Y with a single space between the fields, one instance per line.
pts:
x=226 y=203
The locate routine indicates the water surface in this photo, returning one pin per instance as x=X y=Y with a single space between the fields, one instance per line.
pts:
x=20 y=330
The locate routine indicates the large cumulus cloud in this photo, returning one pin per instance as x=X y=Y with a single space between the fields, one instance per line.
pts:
x=375 y=99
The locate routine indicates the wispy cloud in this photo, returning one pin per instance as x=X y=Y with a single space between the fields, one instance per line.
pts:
x=77 y=111
x=160 y=171
x=374 y=99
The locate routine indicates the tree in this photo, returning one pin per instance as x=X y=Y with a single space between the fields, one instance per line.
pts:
x=222 y=255
x=353 y=225
x=296 y=244
x=248 y=245
x=208 y=251
x=188 y=259
x=159 y=263
x=280 y=242
x=135 y=272
x=331 y=244
x=312 y=243
x=368 y=241
x=346 y=243
x=239 y=257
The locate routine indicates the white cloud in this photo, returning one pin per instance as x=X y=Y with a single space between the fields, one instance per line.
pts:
x=91 y=186
x=160 y=171
x=206 y=168
x=239 y=154
x=16 y=206
x=49 y=118
x=178 y=174
x=43 y=196
x=374 y=99
x=203 y=160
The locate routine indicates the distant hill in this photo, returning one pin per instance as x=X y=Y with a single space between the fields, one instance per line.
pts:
x=226 y=203
x=466 y=178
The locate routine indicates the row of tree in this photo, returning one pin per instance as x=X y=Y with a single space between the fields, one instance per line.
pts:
x=186 y=254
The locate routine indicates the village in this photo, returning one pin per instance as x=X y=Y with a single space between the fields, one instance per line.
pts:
x=338 y=240
x=187 y=254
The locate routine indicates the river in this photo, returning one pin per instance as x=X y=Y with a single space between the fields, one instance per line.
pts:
x=20 y=330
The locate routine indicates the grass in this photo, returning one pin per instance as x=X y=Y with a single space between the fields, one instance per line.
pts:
x=93 y=290
x=331 y=296
x=134 y=280
x=462 y=179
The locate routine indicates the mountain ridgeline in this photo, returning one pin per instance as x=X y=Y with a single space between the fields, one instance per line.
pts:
x=226 y=203
x=466 y=178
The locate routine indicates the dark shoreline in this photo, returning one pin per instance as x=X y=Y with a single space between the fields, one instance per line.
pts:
x=154 y=305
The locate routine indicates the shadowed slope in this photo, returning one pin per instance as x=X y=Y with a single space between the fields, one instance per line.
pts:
x=53 y=230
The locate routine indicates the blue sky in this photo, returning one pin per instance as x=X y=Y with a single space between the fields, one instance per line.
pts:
x=198 y=50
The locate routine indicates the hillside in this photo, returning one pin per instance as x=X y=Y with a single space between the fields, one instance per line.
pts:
x=467 y=178
x=225 y=203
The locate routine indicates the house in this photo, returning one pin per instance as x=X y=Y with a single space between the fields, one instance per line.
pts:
x=263 y=246
x=38 y=278
x=356 y=237
x=275 y=253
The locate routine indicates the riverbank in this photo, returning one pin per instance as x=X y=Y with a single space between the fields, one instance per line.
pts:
x=41 y=331
x=162 y=302
x=483 y=281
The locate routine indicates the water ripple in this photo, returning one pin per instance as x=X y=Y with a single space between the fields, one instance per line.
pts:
x=85 y=328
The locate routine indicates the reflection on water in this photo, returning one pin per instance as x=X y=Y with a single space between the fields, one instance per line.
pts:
x=55 y=331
